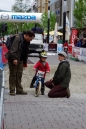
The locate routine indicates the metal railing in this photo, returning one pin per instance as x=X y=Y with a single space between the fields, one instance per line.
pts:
x=1 y=99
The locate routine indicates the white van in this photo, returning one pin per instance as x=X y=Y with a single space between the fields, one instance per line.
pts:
x=36 y=45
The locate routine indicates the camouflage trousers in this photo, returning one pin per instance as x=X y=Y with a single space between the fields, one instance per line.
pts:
x=15 y=76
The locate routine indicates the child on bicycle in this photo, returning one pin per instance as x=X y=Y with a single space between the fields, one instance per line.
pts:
x=43 y=66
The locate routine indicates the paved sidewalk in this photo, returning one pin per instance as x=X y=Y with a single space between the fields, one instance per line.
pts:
x=29 y=112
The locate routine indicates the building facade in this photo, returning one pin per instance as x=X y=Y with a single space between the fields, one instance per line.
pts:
x=58 y=7
x=42 y=6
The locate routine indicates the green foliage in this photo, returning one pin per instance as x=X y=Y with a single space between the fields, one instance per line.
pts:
x=28 y=26
x=21 y=6
x=80 y=13
x=44 y=21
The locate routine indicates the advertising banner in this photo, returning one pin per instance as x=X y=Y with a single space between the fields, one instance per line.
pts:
x=82 y=56
x=55 y=33
x=1 y=64
x=74 y=34
x=52 y=47
x=20 y=17
x=67 y=34
x=76 y=52
x=59 y=47
x=4 y=51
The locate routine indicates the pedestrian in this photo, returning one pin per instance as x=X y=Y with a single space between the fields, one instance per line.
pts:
x=42 y=66
x=1 y=42
x=59 y=84
x=65 y=46
x=17 y=57
x=79 y=43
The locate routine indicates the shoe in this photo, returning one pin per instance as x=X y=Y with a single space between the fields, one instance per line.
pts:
x=12 y=93
x=21 y=93
x=36 y=95
x=68 y=92
x=31 y=86
x=42 y=93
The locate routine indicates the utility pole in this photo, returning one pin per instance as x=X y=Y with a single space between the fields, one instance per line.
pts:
x=64 y=19
x=48 y=21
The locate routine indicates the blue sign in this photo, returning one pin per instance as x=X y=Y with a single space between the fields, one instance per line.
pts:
x=24 y=17
x=59 y=47
x=1 y=64
x=57 y=12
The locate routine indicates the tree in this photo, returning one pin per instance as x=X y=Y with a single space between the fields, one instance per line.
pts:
x=80 y=13
x=21 y=6
x=44 y=20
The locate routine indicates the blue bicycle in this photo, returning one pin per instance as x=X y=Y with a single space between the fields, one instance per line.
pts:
x=38 y=82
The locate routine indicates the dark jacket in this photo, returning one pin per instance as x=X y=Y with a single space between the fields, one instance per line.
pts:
x=62 y=75
x=16 y=50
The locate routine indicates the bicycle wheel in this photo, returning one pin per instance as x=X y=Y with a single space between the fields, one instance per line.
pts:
x=37 y=89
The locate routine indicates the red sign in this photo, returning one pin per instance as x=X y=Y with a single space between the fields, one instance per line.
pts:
x=4 y=51
x=73 y=36
x=52 y=47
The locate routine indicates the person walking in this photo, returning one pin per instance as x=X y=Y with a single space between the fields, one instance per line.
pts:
x=17 y=58
x=59 y=84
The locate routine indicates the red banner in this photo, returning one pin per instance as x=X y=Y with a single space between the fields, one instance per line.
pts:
x=74 y=34
x=4 y=51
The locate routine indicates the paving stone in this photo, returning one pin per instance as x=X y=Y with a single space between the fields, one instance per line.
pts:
x=29 y=112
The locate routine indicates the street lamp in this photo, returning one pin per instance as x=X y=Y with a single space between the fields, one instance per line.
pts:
x=64 y=19
x=48 y=21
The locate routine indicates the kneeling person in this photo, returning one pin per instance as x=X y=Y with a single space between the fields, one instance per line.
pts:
x=59 y=84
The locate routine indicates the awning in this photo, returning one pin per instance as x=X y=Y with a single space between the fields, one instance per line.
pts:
x=52 y=33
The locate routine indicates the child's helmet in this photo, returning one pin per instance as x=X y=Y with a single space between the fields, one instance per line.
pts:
x=43 y=54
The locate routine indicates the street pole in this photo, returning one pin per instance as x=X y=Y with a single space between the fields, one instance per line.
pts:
x=48 y=21
x=64 y=26
x=64 y=20
x=17 y=28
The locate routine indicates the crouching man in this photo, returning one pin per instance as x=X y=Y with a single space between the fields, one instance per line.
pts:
x=59 y=84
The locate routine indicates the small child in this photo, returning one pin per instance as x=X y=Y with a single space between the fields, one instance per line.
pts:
x=43 y=66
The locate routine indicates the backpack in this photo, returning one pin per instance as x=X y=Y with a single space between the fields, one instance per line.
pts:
x=10 y=40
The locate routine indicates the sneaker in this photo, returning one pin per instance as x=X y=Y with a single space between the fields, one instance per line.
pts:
x=12 y=93
x=68 y=92
x=42 y=93
x=36 y=95
x=31 y=86
x=21 y=93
